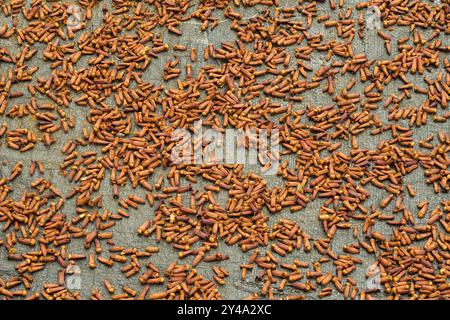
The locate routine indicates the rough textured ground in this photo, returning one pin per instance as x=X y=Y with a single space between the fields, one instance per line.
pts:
x=125 y=231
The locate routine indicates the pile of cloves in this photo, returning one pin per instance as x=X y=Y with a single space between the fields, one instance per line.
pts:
x=262 y=80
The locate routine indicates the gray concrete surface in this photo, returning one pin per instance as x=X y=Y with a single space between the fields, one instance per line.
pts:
x=125 y=230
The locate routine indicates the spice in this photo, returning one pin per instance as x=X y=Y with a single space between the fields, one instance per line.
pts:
x=257 y=82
